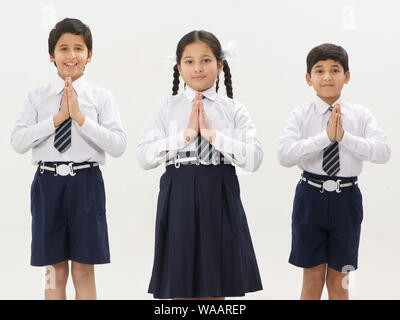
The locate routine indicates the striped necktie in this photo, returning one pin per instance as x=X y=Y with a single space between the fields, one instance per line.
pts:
x=330 y=158
x=62 y=139
x=205 y=150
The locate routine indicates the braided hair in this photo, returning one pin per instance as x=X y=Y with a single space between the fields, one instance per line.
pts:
x=215 y=46
x=175 y=87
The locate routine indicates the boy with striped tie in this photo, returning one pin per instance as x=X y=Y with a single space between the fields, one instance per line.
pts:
x=328 y=139
x=69 y=124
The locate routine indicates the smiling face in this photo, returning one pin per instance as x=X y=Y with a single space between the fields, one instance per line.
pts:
x=199 y=67
x=328 y=78
x=71 y=55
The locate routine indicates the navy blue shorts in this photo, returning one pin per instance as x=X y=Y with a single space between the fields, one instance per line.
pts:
x=69 y=218
x=203 y=246
x=326 y=226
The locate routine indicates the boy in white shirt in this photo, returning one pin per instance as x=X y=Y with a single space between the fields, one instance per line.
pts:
x=328 y=139
x=69 y=124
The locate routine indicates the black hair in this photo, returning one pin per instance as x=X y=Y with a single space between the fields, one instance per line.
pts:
x=73 y=26
x=327 y=51
x=214 y=44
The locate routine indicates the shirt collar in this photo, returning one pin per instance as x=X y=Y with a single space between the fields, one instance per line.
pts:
x=210 y=93
x=78 y=84
x=323 y=107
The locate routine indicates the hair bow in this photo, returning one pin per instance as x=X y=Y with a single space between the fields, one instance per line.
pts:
x=228 y=51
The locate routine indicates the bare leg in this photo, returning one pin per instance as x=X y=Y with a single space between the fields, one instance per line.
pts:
x=313 y=282
x=56 y=281
x=84 y=281
x=334 y=283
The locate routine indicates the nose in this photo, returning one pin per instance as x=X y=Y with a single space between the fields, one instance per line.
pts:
x=327 y=76
x=198 y=67
x=72 y=54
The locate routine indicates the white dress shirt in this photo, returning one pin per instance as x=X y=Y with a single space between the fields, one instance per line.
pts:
x=101 y=131
x=305 y=138
x=235 y=138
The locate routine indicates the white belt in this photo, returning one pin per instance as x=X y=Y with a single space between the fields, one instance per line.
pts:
x=65 y=169
x=329 y=185
x=194 y=160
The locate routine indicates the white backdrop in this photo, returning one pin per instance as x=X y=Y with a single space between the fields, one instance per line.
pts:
x=131 y=40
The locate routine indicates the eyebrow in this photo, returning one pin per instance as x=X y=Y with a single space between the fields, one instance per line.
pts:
x=334 y=65
x=66 y=45
x=205 y=55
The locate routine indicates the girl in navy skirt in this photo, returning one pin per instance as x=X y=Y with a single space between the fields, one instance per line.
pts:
x=203 y=247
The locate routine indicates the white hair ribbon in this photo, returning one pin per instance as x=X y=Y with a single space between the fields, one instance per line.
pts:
x=228 y=51
x=170 y=61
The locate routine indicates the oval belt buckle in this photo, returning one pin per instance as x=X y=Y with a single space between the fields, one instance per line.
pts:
x=330 y=185
x=62 y=170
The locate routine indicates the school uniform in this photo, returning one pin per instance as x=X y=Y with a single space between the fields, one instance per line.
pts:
x=67 y=192
x=202 y=246
x=327 y=209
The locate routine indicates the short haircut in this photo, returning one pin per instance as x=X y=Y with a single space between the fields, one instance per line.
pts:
x=73 y=26
x=327 y=51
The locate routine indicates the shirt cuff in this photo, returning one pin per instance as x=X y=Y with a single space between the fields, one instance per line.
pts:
x=349 y=141
x=322 y=139
x=88 y=126
x=174 y=142
x=46 y=127
x=221 y=142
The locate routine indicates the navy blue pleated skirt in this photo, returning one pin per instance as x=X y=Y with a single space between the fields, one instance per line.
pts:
x=203 y=246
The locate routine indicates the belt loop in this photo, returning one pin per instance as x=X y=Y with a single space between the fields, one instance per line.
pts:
x=41 y=165
x=301 y=177
x=177 y=164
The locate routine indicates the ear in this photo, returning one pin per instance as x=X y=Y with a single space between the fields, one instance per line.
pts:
x=52 y=59
x=220 y=65
x=347 y=77
x=90 y=56
x=308 y=79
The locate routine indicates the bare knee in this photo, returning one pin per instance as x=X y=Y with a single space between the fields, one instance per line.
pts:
x=57 y=275
x=314 y=278
x=335 y=279
x=81 y=271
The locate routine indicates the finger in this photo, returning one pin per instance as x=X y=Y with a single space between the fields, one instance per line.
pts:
x=196 y=105
x=69 y=92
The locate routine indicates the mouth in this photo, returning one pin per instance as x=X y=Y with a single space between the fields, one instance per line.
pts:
x=71 y=65
x=327 y=85
x=198 y=78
